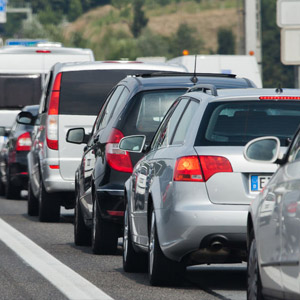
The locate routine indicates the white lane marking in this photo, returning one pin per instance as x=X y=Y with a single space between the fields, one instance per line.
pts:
x=71 y=284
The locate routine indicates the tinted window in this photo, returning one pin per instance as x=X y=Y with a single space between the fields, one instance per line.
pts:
x=236 y=123
x=184 y=123
x=147 y=110
x=84 y=92
x=110 y=106
x=19 y=90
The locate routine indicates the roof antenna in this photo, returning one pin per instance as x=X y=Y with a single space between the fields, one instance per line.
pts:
x=279 y=89
x=194 y=79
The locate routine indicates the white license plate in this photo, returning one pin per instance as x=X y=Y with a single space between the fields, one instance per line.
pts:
x=258 y=182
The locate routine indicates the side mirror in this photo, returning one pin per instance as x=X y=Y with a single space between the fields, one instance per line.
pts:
x=133 y=143
x=25 y=118
x=263 y=149
x=77 y=136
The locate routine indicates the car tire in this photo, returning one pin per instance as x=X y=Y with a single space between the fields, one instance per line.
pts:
x=132 y=261
x=49 y=205
x=32 y=202
x=162 y=271
x=254 y=286
x=11 y=191
x=104 y=234
x=82 y=234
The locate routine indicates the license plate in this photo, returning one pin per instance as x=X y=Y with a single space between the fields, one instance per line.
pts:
x=258 y=182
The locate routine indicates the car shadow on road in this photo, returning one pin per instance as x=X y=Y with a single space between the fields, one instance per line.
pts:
x=207 y=278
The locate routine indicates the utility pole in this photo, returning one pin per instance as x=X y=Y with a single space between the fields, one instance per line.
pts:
x=253 y=45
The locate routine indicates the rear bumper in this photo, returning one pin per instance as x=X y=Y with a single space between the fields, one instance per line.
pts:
x=53 y=181
x=208 y=233
x=111 y=203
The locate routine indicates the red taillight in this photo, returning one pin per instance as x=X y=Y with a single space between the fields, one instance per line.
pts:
x=54 y=167
x=52 y=120
x=279 y=98
x=194 y=168
x=188 y=169
x=43 y=51
x=118 y=159
x=23 y=142
x=214 y=164
x=292 y=208
x=116 y=213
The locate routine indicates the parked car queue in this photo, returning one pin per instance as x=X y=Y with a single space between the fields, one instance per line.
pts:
x=215 y=125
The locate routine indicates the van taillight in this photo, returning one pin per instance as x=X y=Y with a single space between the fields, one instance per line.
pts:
x=23 y=142
x=200 y=168
x=52 y=120
x=118 y=159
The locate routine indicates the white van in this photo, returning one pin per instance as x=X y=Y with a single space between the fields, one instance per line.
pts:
x=23 y=69
x=240 y=65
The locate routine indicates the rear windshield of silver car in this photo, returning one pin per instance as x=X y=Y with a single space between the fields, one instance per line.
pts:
x=236 y=123
x=18 y=90
x=84 y=92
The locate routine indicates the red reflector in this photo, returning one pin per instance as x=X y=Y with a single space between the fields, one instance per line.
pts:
x=279 y=98
x=54 y=166
x=23 y=142
x=118 y=160
x=43 y=51
x=188 y=169
x=116 y=213
x=214 y=164
x=24 y=173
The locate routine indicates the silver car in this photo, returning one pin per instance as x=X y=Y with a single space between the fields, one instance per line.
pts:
x=274 y=223
x=187 y=198
x=72 y=97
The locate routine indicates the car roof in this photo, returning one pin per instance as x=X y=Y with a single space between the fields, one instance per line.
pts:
x=244 y=94
x=116 y=65
x=33 y=50
x=173 y=80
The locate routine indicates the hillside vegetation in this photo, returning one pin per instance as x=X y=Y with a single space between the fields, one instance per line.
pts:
x=108 y=26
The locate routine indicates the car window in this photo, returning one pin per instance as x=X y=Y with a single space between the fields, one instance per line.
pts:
x=165 y=133
x=294 y=153
x=20 y=89
x=184 y=123
x=238 y=122
x=108 y=110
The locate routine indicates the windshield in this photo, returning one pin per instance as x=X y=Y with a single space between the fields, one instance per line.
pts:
x=236 y=123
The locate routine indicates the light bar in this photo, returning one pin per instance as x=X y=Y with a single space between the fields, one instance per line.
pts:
x=279 y=98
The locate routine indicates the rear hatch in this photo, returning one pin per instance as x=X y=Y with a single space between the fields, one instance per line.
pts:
x=225 y=129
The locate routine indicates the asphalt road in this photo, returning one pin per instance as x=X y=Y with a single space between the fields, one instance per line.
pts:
x=66 y=271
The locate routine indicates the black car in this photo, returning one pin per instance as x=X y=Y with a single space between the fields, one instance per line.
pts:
x=136 y=105
x=13 y=157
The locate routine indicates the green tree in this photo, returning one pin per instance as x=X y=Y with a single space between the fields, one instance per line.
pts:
x=226 y=41
x=49 y=16
x=185 y=38
x=139 y=19
x=274 y=72
x=75 y=10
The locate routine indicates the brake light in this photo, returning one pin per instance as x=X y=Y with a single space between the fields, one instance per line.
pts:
x=52 y=120
x=200 y=168
x=23 y=142
x=118 y=159
x=188 y=169
x=279 y=98
x=43 y=51
x=214 y=164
